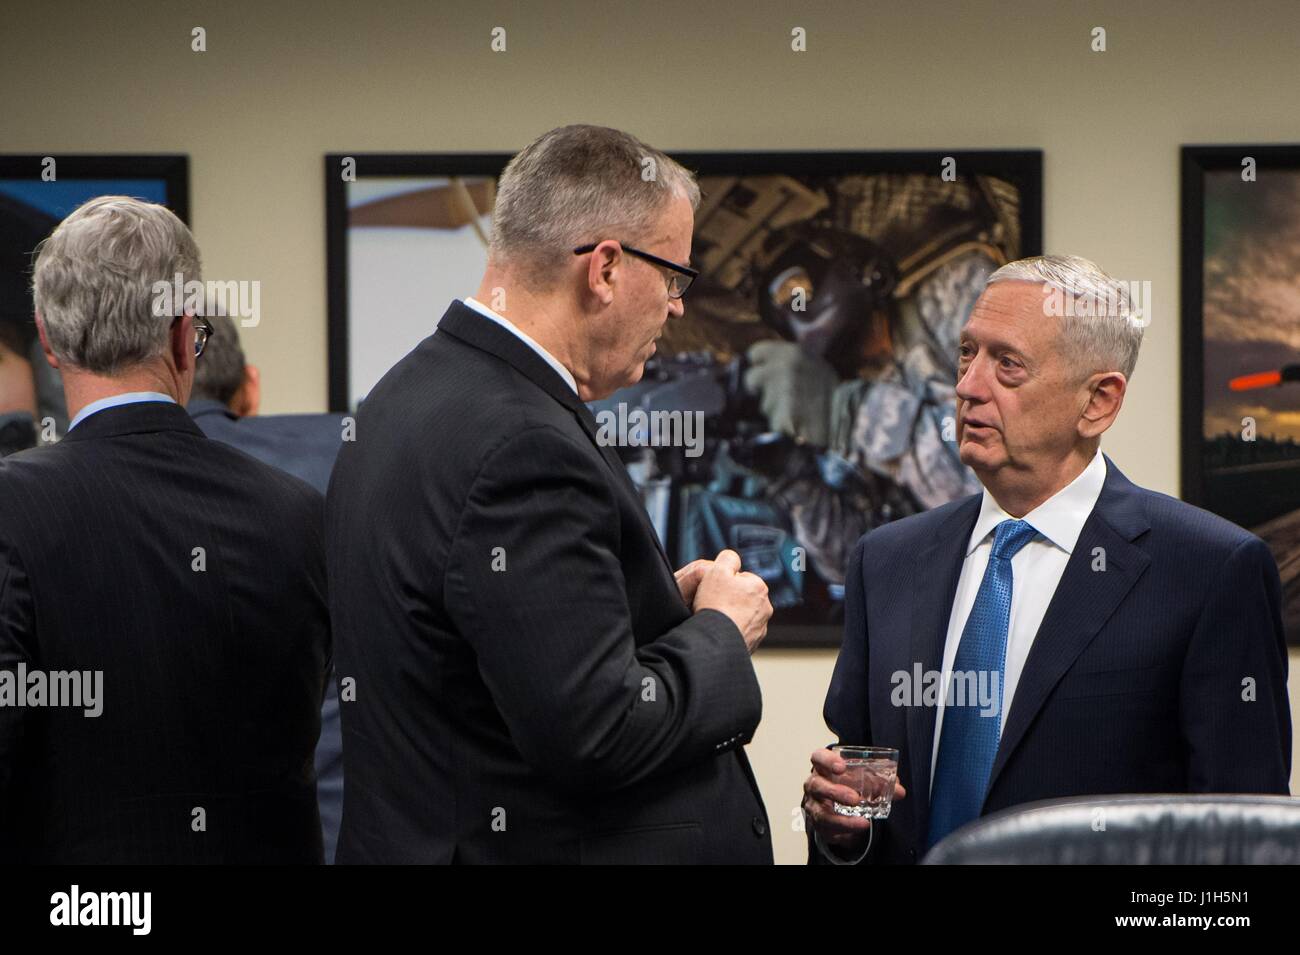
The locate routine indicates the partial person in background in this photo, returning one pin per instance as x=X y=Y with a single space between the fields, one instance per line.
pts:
x=31 y=394
x=171 y=587
x=17 y=391
x=225 y=401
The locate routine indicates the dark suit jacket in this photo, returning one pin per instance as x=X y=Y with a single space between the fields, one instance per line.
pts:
x=304 y=445
x=1135 y=680
x=529 y=685
x=213 y=662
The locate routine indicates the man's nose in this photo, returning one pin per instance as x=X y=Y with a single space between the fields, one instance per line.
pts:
x=676 y=307
x=972 y=385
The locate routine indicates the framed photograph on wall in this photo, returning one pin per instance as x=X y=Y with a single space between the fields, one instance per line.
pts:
x=1241 y=346
x=809 y=389
x=36 y=193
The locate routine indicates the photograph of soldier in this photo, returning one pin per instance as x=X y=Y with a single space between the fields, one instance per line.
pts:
x=818 y=349
x=820 y=346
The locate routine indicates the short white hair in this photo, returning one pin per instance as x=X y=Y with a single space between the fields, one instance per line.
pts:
x=94 y=278
x=1105 y=335
x=580 y=184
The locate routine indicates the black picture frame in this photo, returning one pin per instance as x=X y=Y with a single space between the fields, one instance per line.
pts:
x=336 y=233
x=1022 y=167
x=1196 y=162
x=172 y=168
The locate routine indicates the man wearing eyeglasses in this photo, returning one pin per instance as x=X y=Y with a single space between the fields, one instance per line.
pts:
x=525 y=678
x=171 y=587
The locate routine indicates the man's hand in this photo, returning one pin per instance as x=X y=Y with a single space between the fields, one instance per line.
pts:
x=689 y=577
x=848 y=834
x=741 y=596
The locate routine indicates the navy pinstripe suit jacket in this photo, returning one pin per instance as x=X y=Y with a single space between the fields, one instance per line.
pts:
x=213 y=661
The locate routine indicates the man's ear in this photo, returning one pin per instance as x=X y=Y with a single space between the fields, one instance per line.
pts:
x=602 y=270
x=50 y=357
x=1106 y=391
x=248 y=397
x=182 y=343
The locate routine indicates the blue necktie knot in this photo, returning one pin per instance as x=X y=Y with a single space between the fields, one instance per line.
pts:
x=1010 y=536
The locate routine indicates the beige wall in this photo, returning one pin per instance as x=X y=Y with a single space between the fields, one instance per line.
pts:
x=279 y=88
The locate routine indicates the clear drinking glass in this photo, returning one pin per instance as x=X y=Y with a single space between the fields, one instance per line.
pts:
x=870 y=771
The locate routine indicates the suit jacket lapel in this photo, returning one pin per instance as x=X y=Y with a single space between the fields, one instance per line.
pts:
x=940 y=564
x=1084 y=600
x=462 y=322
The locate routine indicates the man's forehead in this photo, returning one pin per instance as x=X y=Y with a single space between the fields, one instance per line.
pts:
x=676 y=227
x=1010 y=310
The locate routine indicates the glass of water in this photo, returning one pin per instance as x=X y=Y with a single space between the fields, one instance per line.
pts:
x=870 y=771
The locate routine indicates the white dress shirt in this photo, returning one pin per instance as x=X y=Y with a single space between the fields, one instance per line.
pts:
x=1035 y=571
x=115 y=401
x=508 y=326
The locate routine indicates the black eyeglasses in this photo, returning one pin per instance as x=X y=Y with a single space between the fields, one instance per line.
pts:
x=203 y=330
x=678 y=282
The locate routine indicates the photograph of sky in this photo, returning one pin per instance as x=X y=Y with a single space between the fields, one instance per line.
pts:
x=1252 y=299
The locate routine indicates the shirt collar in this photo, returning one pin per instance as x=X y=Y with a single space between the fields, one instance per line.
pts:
x=531 y=343
x=1060 y=518
x=113 y=401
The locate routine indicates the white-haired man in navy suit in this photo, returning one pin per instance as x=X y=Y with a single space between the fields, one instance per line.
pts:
x=1132 y=643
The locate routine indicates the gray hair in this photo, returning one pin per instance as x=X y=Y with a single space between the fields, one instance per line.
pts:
x=94 y=281
x=580 y=184
x=1102 y=333
x=220 y=372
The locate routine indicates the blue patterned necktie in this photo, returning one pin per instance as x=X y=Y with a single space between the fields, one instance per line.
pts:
x=969 y=741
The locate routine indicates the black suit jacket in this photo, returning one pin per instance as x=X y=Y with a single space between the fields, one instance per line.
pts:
x=1164 y=672
x=529 y=685
x=213 y=660
x=304 y=445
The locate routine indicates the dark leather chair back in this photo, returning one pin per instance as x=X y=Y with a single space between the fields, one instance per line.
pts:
x=1131 y=830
